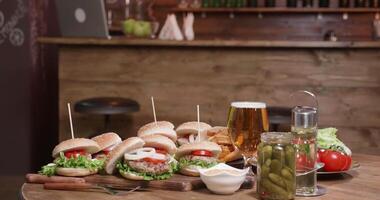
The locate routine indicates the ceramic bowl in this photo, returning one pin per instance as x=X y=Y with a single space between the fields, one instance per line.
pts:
x=223 y=181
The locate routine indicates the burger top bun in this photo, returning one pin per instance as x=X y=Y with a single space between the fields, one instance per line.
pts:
x=88 y=145
x=164 y=128
x=161 y=142
x=106 y=140
x=118 y=152
x=204 y=145
x=191 y=128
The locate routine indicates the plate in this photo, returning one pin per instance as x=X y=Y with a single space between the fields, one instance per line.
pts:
x=354 y=165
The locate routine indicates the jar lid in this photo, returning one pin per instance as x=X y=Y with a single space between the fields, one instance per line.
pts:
x=304 y=116
x=277 y=137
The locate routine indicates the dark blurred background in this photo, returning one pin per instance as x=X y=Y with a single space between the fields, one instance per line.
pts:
x=29 y=90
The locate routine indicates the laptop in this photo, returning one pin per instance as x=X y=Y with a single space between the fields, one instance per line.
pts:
x=82 y=18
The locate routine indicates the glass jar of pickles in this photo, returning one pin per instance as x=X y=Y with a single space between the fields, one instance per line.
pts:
x=276 y=177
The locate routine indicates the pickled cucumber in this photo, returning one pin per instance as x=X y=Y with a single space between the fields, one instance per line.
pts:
x=274 y=190
x=276 y=166
x=276 y=178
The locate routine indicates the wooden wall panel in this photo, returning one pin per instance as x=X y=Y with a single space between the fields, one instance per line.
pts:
x=347 y=83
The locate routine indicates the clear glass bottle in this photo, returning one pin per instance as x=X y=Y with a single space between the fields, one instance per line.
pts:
x=304 y=130
x=276 y=178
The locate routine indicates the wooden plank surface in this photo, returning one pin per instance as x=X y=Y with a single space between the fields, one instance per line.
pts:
x=123 y=41
x=362 y=183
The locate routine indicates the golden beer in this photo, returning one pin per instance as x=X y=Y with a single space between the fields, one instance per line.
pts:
x=246 y=122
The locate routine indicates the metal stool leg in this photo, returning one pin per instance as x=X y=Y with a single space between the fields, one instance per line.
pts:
x=106 y=122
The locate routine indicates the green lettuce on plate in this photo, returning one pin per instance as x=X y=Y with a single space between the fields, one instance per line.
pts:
x=327 y=139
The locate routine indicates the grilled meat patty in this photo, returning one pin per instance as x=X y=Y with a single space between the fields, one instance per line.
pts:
x=148 y=167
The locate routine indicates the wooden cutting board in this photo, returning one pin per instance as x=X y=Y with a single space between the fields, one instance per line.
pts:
x=177 y=182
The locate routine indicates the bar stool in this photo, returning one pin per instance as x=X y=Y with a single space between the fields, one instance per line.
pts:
x=279 y=116
x=107 y=106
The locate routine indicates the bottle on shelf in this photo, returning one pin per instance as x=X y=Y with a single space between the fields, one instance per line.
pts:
x=308 y=3
x=324 y=3
x=270 y=3
x=253 y=3
x=344 y=3
x=372 y=3
x=205 y=4
x=360 y=3
x=291 y=3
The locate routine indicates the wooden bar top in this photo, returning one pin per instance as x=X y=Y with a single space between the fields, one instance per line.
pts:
x=362 y=183
x=124 y=41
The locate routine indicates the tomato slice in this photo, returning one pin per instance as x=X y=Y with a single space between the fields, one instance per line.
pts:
x=161 y=151
x=152 y=160
x=74 y=153
x=106 y=152
x=202 y=153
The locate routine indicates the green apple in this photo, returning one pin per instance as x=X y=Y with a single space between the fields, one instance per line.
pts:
x=129 y=25
x=147 y=28
x=138 y=29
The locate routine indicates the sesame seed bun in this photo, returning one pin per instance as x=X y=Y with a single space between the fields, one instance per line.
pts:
x=88 y=145
x=164 y=128
x=75 y=171
x=186 y=149
x=118 y=152
x=161 y=142
x=191 y=128
x=106 y=140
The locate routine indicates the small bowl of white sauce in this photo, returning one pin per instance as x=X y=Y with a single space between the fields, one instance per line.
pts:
x=223 y=179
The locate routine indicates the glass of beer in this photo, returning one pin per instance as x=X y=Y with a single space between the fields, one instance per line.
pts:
x=246 y=122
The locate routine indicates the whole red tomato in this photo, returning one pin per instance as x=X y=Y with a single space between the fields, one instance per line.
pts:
x=334 y=160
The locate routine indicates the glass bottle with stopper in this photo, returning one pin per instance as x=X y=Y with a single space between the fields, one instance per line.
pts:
x=304 y=129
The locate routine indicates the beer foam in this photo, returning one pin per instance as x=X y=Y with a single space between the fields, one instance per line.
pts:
x=247 y=104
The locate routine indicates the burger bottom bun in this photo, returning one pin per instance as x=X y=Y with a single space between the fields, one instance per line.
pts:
x=232 y=156
x=190 y=171
x=131 y=176
x=75 y=171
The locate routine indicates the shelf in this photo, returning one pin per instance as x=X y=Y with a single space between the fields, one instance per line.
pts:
x=123 y=41
x=278 y=10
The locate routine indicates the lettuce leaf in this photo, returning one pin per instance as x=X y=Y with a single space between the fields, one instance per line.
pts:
x=78 y=162
x=125 y=168
x=327 y=139
x=183 y=162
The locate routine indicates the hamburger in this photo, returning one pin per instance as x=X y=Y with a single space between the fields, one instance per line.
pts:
x=219 y=135
x=194 y=156
x=106 y=142
x=188 y=132
x=73 y=158
x=164 y=128
x=137 y=158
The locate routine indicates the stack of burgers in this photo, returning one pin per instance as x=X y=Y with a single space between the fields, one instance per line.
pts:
x=147 y=157
x=152 y=155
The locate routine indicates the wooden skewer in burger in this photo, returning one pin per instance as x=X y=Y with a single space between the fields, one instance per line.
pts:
x=164 y=128
x=197 y=153
x=73 y=157
x=150 y=156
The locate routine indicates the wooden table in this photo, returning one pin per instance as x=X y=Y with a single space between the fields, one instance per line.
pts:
x=363 y=183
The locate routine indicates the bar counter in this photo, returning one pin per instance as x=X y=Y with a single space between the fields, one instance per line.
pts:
x=213 y=73
x=122 y=41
